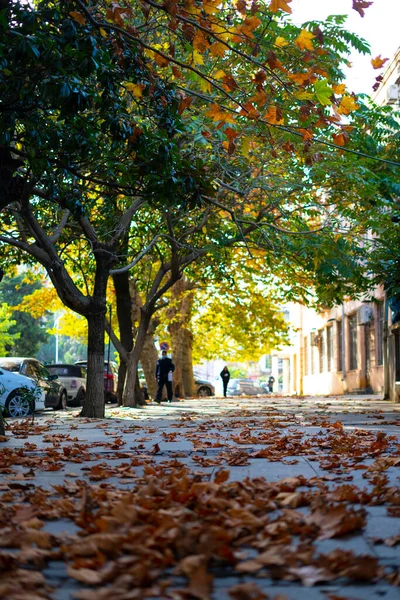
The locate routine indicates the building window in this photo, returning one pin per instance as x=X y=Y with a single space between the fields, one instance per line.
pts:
x=268 y=362
x=352 y=329
x=306 y=359
x=339 y=345
x=379 y=333
x=329 y=347
x=321 y=348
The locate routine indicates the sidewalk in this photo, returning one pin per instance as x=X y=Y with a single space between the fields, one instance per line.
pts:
x=227 y=499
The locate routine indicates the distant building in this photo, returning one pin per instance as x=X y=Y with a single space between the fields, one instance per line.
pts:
x=336 y=351
x=388 y=90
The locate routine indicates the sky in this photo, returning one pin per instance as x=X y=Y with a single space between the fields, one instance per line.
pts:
x=380 y=27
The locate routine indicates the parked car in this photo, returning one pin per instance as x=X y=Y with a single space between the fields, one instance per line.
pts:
x=110 y=378
x=55 y=393
x=203 y=387
x=19 y=395
x=73 y=378
x=244 y=387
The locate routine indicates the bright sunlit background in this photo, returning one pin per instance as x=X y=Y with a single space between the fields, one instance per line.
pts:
x=380 y=27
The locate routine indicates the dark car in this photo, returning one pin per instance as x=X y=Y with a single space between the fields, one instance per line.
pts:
x=56 y=394
x=73 y=378
x=244 y=387
x=110 y=378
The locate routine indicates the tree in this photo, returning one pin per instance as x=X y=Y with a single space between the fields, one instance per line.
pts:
x=6 y=336
x=167 y=114
x=27 y=332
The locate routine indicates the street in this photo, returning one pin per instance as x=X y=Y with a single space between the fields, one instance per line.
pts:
x=236 y=499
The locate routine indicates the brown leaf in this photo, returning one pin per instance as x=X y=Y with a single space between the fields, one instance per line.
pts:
x=221 y=475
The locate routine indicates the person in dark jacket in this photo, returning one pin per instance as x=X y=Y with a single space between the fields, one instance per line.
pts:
x=164 y=370
x=271 y=382
x=225 y=375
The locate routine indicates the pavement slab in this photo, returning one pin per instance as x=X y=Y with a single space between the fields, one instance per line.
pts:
x=237 y=498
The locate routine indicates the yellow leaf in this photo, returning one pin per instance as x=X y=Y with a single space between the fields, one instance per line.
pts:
x=246 y=146
x=135 y=88
x=205 y=85
x=276 y=5
x=103 y=32
x=339 y=89
x=204 y=229
x=78 y=17
x=219 y=74
x=197 y=58
x=280 y=42
x=303 y=41
x=211 y=6
x=347 y=105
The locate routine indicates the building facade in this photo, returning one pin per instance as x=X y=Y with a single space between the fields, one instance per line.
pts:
x=336 y=351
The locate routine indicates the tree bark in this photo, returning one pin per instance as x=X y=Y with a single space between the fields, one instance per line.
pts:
x=179 y=315
x=2 y=430
x=148 y=360
x=123 y=298
x=93 y=405
x=132 y=396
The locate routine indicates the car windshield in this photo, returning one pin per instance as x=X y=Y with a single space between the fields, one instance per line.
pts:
x=65 y=370
x=10 y=365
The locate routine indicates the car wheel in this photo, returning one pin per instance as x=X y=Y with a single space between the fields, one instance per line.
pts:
x=18 y=405
x=62 y=404
x=203 y=391
x=79 y=398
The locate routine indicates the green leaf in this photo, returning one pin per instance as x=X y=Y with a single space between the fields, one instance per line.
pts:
x=323 y=91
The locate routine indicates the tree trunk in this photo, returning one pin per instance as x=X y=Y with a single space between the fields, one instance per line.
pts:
x=148 y=360
x=187 y=363
x=132 y=396
x=179 y=315
x=123 y=298
x=93 y=405
x=2 y=430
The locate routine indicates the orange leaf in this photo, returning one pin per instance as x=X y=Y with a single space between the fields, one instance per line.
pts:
x=340 y=139
x=378 y=62
x=280 y=5
x=274 y=116
x=218 y=49
x=78 y=17
x=184 y=103
x=249 y=111
x=217 y=114
x=230 y=82
x=230 y=133
x=241 y=6
x=307 y=135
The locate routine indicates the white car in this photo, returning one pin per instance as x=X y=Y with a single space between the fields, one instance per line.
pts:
x=19 y=395
x=73 y=378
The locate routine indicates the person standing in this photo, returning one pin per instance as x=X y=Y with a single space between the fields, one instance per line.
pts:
x=225 y=376
x=165 y=368
x=271 y=382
